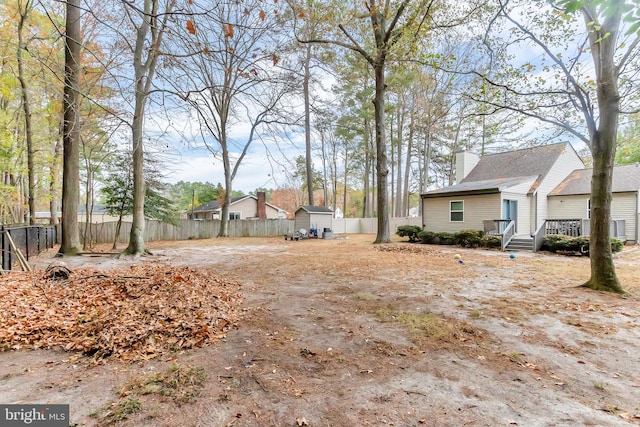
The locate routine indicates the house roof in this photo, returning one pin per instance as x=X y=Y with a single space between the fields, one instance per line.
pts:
x=487 y=186
x=533 y=161
x=625 y=178
x=316 y=209
x=214 y=205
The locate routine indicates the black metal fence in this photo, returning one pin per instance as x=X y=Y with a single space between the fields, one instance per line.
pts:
x=30 y=240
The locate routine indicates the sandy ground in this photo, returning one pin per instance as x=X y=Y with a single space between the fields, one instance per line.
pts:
x=345 y=333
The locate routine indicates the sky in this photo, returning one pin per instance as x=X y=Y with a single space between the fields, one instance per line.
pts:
x=186 y=159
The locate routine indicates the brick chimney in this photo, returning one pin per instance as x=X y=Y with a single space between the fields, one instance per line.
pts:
x=262 y=205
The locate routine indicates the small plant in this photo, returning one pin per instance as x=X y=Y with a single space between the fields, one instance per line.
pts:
x=599 y=385
x=427 y=237
x=180 y=383
x=490 y=241
x=475 y=314
x=574 y=245
x=410 y=231
x=123 y=409
x=447 y=238
x=469 y=238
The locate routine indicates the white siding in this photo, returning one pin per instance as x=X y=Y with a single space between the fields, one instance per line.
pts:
x=566 y=163
x=249 y=209
x=623 y=206
x=568 y=207
x=476 y=209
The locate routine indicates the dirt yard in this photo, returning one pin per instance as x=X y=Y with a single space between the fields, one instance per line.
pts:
x=345 y=333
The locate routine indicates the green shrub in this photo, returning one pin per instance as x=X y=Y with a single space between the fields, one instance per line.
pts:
x=427 y=237
x=469 y=238
x=616 y=245
x=559 y=243
x=491 y=241
x=445 y=238
x=410 y=231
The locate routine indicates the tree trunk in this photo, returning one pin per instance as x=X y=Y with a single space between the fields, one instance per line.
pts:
x=26 y=107
x=407 y=166
x=603 y=275
x=307 y=123
x=382 y=171
x=226 y=161
x=136 y=236
x=53 y=184
x=88 y=206
x=71 y=133
x=366 y=210
x=346 y=176
x=400 y=127
x=603 y=141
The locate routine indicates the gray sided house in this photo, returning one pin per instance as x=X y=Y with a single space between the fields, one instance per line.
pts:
x=509 y=186
x=318 y=217
x=244 y=207
x=571 y=199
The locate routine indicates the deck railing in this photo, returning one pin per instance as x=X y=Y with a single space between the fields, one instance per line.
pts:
x=566 y=227
x=508 y=234
x=495 y=226
x=538 y=236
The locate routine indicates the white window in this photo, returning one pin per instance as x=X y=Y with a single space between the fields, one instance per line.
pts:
x=456 y=211
x=235 y=215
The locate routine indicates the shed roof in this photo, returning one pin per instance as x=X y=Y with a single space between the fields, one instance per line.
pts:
x=533 y=161
x=316 y=209
x=625 y=178
x=487 y=186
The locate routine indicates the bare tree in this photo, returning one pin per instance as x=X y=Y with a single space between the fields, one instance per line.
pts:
x=151 y=24
x=580 y=87
x=71 y=132
x=391 y=24
x=231 y=78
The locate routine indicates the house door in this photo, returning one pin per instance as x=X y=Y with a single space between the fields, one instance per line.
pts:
x=510 y=211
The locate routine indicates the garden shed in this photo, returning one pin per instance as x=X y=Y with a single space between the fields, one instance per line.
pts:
x=318 y=217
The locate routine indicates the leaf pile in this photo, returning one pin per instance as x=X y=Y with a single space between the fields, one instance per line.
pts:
x=136 y=313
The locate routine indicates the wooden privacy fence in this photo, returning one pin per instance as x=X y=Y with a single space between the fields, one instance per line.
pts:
x=190 y=229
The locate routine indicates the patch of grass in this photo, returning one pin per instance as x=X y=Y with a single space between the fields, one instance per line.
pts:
x=123 y=409
x=599 y=385
x=516 y=356
x=432 y=327
x=181 y=383
x=475 y=314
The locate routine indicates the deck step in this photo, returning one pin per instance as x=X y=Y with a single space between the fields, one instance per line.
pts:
x=520 y=244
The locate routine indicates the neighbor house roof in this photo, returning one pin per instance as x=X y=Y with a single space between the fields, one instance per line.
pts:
x=214 y=205
x=533 y=161
x=487 y=186
x=316 y=209
x=625 y=178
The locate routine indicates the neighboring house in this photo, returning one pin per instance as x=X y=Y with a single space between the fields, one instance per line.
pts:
x=244 y=207
x=99 y=214
x=571 y=199
x=505 y=186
